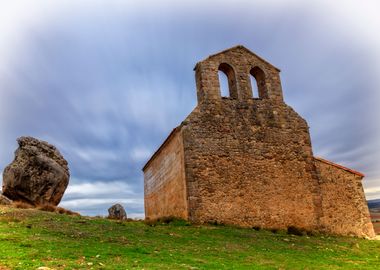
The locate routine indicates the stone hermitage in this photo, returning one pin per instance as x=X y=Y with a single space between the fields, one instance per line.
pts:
x=248 y=161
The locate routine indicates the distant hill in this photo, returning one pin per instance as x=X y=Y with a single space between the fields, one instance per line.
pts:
x=374 y=210
x=32 y=239
x=372 y=204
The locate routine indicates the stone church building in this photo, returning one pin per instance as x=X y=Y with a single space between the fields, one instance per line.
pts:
x=248 y=160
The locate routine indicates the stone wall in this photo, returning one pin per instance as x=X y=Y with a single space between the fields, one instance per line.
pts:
x=238 y=64
x=164 y=180
x=345 y=209
x=250 y=163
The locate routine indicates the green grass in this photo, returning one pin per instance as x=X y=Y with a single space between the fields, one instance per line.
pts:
x=30 y=239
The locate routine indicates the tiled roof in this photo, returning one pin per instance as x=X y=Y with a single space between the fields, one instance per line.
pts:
x=339 y=166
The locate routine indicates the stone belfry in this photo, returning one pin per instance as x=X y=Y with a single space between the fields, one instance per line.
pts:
x=249 y=161
x=238 y=64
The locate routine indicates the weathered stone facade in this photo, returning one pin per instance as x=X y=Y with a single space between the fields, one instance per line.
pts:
x=249 y=161
x=344 y=206
x=165 y=186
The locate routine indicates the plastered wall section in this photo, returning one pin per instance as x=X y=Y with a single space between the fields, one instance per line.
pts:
x=250 y=164
x=345 y=210
x=164 y=180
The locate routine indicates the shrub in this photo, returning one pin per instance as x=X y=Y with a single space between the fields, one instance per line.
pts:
x=180 y=222
x=56 y=209
x=313 y=233
x=166 y=220
x=150 y=222
x=215 y=223
x=274 y=230
x=62 y=210
x=296 y=231
x=46 y=207
x=22 y=205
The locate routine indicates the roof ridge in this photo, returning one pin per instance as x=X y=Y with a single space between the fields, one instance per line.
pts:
x=241 y=47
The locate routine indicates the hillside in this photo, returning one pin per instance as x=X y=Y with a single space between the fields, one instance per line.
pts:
x=30 y=239
x=374 y=204
x=374 y=209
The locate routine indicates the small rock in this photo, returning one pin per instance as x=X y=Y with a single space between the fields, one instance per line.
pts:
x=117 y=212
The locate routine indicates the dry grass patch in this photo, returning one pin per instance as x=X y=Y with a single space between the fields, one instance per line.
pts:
x=44 y=207
x=22 y=205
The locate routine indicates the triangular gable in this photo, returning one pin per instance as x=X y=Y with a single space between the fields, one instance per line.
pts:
x=240 y=47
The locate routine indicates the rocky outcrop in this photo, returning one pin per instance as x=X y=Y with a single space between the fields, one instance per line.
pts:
x=117 y=212
x=4 y=200
x=38 y=175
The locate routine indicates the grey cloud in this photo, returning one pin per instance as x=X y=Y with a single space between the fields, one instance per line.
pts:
x=107 y=86
x=95 y=197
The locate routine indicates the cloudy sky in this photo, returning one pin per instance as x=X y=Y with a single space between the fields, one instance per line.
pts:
x=106 y=81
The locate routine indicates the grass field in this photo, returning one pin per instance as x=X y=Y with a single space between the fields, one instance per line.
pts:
x=30 y=239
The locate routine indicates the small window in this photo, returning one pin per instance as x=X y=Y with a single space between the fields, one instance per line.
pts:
x=255 y=90
x=258 y=82
x=226 y=71
x=223 y=82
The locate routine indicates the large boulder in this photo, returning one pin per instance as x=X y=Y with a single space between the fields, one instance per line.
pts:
x=117 y=212
x=38 y=174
